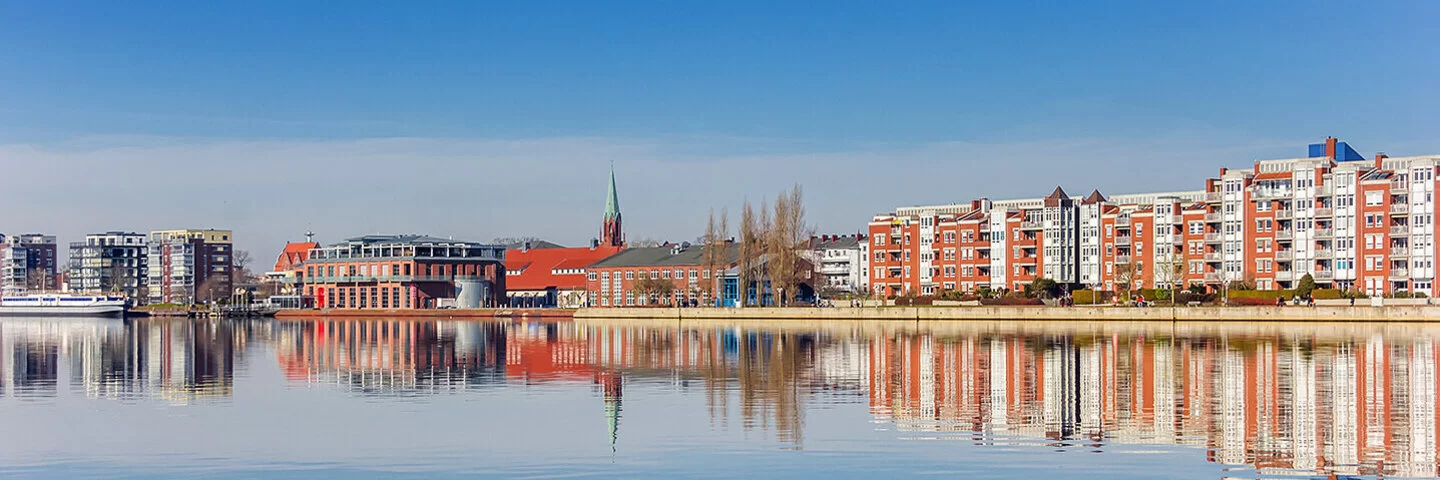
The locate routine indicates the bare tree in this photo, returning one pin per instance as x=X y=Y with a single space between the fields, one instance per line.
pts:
x=749 y=249
x=762 y=245
x=241 y=260
x=722 y=232
x=709 y=257
x=1170 y=271
x=210 y=290
x=1125 y=275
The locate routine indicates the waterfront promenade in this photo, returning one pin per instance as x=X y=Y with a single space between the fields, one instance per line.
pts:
x=1053 y=314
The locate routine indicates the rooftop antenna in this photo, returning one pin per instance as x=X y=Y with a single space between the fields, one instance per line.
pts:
x=309 y=236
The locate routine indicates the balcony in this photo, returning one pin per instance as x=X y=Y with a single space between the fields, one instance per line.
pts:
x=1122 y=240
x=1400 y=230
x=1324 y=190
x=1324 y=233
x=1122 y=221
x=1323 y=274
x=1213 y=217
x=1122 y=260
x=1399 y=186
x=1212 y=197
x=1399 y=274
x=1284 y=234
x=1212 y=277
x=1399 y=252
x=1212 y=256
x=1285 y=255
x=1284 y=214
x=1032 y=225
x=1285 y=275
x=1400 y=209
x=1324 y=254
x=1212 y=238
x=1324 y=212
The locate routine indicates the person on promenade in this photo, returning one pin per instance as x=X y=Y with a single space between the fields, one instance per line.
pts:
x=1310 y=301
x=1352 y=300
x=1280 y=301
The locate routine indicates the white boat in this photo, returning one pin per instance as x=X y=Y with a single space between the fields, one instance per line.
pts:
x=61 y=304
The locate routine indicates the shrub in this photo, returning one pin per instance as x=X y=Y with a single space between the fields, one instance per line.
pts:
x=914 y=301
x=1305 y=286
x=1011 y=300
x=1251 y=302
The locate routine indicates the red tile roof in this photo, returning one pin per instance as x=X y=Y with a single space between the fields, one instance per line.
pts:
x=293 y=254
x=538 y=266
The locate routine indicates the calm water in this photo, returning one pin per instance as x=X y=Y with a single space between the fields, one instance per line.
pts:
x=401 y=398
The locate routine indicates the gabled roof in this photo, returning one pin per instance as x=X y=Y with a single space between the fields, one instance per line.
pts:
x=537 y=266
x=293 y=254
x=1056 y=198
x=1094 y=198
x=664 y=257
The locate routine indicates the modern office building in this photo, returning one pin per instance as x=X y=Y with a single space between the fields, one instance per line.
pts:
x=1346 y=221
x=404 y=272
x=110 y=262
x=190 y=266
x=28 y=263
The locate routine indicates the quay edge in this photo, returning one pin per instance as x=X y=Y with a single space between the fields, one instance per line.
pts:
x=1367 y=314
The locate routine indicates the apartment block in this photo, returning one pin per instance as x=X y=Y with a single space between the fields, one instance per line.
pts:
x=108 y=263
x=28 y=263
x=1346 y=221
x=190 y=266
x=841 y=263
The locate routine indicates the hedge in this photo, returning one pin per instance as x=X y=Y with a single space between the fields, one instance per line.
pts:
x=1011 y=301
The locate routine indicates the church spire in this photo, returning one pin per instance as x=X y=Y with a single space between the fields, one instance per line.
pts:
x=612 y=201
x=611 y=234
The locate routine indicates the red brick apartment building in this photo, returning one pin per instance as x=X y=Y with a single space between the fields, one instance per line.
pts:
x=1347 y=221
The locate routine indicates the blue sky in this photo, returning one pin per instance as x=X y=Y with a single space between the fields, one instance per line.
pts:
x=675 y=93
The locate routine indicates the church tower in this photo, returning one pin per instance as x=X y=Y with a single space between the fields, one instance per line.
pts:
x=610 y=233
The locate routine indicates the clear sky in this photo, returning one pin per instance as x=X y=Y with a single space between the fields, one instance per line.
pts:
x=486 y=119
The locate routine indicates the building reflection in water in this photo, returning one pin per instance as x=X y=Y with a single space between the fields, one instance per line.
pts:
x=1279 y=403
x=1301 y=401
x=174 y=360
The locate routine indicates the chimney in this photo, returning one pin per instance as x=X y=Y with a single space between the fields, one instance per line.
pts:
x=1380 y=158
x=1330 y=147
x=594 y=243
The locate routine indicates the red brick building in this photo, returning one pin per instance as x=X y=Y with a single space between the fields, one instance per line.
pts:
x=403 y=272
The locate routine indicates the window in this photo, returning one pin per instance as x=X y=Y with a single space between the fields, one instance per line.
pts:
x=665 y=274
x=629 y=274
x=879 y=239
x=1373 y=199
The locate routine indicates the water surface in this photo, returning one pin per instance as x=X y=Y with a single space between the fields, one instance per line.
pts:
x=390 y=398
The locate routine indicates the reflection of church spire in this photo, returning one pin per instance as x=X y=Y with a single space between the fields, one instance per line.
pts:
x=612 y=384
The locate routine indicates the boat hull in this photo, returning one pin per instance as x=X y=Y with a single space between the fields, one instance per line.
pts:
x=65 y=311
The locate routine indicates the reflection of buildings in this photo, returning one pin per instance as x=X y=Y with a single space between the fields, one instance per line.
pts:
x=764 y=372
x=1274 y=403
x=176 y=360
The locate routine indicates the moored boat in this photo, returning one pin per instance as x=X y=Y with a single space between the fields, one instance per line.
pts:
x=62 y=304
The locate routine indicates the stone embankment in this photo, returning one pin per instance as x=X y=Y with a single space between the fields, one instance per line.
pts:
x=1052 y=314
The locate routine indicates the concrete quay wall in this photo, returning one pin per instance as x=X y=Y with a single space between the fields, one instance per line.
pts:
x=1052 y=314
